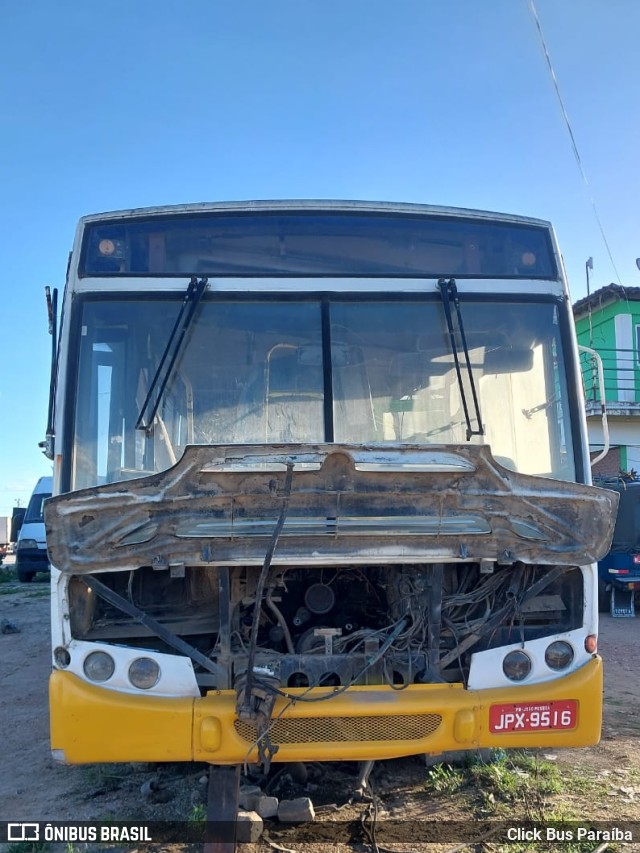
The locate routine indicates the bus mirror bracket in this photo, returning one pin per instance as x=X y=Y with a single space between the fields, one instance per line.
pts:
x=597 y=361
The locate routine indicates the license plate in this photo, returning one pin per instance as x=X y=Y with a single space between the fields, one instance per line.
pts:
x=533 y=716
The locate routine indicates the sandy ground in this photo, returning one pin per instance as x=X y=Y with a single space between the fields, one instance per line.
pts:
x=33 y=787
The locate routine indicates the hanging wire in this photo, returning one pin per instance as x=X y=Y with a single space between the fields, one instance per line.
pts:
x=576 y=153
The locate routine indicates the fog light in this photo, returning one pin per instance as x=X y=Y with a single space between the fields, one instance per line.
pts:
x=558 y=655
x=144 y=673
x=98 y=666
x=61 y=657
x=516 y=666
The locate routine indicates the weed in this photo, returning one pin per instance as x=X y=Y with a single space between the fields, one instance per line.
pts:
x=513 y=781
x=39 y=593
x=518 y=779
x=575 y=784
x=197 y=813
x=8 y=575
x=103 y=778
x=28 y=847
x=445 y=779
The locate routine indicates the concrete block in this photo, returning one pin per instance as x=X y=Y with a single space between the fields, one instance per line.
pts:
x=296 y=811
x=267 y=806
x=249 y=796
x=250 y=827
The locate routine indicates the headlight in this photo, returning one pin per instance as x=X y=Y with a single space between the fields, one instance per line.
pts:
x=516 y=666
x=27 y=543
x=558 y=655
x=62 y=657
x=98 y=666
x=144 y=673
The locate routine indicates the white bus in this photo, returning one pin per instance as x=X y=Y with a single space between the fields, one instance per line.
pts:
x=322 y=488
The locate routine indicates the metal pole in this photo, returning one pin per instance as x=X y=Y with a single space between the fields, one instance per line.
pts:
x=222 y=809
x=589 y=266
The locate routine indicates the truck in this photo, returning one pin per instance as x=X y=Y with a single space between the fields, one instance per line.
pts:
x=31 y=547
x=5 y=536
x=619 y=570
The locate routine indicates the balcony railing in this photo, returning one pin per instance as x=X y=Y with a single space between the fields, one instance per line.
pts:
x=621 y=380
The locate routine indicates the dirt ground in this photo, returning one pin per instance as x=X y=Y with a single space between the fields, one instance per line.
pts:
x=602 y=782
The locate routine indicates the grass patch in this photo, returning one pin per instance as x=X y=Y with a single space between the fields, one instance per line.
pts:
x=517 y=787
x=517 y=781
x=197 y=814
x=445 y=779
x=8 y=575
x=575 y=784
x=104 y=778
x=39 y=592
x=28 y=847
x=507 y=779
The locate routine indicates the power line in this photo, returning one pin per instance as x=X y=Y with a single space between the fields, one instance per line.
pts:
x=574 y=145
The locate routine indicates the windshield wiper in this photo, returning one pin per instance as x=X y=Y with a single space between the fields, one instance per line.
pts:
x=449 y=295
x=172 y=350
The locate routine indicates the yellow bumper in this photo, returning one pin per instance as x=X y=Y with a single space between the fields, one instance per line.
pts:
x=92 y=724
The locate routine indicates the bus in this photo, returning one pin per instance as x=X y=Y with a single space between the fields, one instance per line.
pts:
x=322 y=488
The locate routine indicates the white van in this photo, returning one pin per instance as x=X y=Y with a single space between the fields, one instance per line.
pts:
x=31 y=548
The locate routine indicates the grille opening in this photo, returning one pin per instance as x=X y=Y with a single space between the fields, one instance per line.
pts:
x=342 y=729
x=298 y=679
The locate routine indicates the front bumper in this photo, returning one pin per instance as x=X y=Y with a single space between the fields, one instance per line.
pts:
x=32 y=560
x=625 y=582
x=92 y=724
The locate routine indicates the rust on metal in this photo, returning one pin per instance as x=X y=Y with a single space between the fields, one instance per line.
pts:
x=355 y=503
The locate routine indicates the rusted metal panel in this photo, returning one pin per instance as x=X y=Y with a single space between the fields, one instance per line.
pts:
x=349 y=504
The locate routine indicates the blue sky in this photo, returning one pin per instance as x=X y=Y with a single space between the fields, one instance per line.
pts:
x=145 y=102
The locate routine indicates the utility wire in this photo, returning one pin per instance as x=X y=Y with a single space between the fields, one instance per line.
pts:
x=576 y=153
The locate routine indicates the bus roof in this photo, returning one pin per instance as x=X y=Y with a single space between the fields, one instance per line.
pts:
x=307 y=205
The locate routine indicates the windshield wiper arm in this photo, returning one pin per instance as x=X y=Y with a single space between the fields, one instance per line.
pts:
x=172 y=350
x=449 y=295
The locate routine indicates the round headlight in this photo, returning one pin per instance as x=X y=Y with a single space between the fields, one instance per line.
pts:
x=61 y=657
x=106 y=247
x=144 y=673
x=98 y=666
x=558 y=655
x=516 y=666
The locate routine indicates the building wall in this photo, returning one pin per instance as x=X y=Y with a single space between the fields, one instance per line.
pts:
x=610 y=466
x=613 y=331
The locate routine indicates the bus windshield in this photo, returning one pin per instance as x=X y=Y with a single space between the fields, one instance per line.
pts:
x=273 y=370
x=317 y=244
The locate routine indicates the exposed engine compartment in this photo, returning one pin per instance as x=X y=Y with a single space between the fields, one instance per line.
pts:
x=285 y=568
x=336 y=626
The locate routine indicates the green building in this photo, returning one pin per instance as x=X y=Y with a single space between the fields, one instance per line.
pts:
x=608 y=321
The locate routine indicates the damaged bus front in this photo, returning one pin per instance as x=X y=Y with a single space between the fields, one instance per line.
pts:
x=323 y=488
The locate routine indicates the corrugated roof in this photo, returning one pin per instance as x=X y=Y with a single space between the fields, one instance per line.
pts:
x=604 y=295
